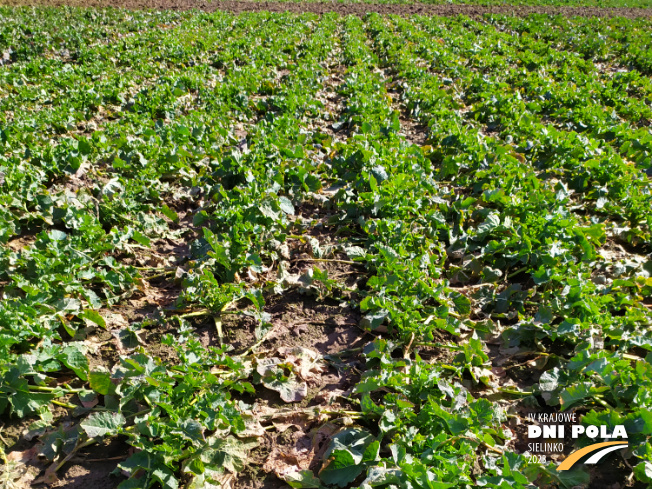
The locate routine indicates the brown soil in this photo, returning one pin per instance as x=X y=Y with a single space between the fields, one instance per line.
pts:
x=341 y=8
x=296 y=436
x=92 y=467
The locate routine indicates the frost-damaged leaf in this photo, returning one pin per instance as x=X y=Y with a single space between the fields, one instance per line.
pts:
x=549 y=380
x=289 y=389
x=381 y=476
x=56 y=235
x=354 y=252
x=112 y=187
x=286 y=205
x=127 y=339
x=317 y=252
x=274 y=376
x=68 y=305
x=298 y=420
x=253 y=428
x=229 y=453
x=307 y=363
x=209 y=479
x=103 y=423
x=15 y=474
x=298 y=456
x=303 y=479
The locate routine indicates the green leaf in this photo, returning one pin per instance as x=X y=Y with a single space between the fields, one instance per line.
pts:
x=75 y=360
x=347 y=456
x=155 y=471
x=93 y=316
x=568 y=479
x=371 y=452
x=340 y=469
x=643 y=471
x=169 y=213
x=140 y=238
x=100 y=382
x=191 y=430
x=304 y=479
x=25 y=403
x=574 y=394
x=102 y=424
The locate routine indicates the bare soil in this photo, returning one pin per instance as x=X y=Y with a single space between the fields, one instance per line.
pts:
x=341 y=8
x=92 y=467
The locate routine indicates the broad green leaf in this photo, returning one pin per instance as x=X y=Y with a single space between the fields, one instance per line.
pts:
x=155 y=471
x=340 y=469
x=100 y=382
x=93 y=316
x=102 y=424
x=75 y=360
x=304 y=479
x=169 y=213
x=643 y=471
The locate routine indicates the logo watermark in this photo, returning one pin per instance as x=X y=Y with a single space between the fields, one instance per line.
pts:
x=547 y=434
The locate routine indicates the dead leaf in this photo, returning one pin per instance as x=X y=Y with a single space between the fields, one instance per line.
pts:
x=284 y=460
x=308 y=363
x=275 y=376
x=16 y=475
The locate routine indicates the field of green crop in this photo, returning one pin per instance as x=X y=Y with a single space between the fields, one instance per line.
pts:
x=537 y=3
x=325 y=252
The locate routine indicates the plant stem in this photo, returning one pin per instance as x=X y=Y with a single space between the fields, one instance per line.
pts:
x=41 y=388
x=159 y=275
x=154 y=268
x=439 y=345
x=78 y=447
x=144 y=411
x=195 y=314
x=514 y=392
x=345 y=353
x=66 y=405
x=253 y=347
x=330 y=260
x=516 y=272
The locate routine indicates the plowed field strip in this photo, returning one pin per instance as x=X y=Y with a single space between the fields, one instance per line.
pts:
x=341 y=8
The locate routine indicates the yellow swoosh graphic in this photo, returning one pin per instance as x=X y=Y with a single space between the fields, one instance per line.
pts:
x=575 y=456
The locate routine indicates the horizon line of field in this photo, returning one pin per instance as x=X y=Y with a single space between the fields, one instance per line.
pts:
x=358 y=8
